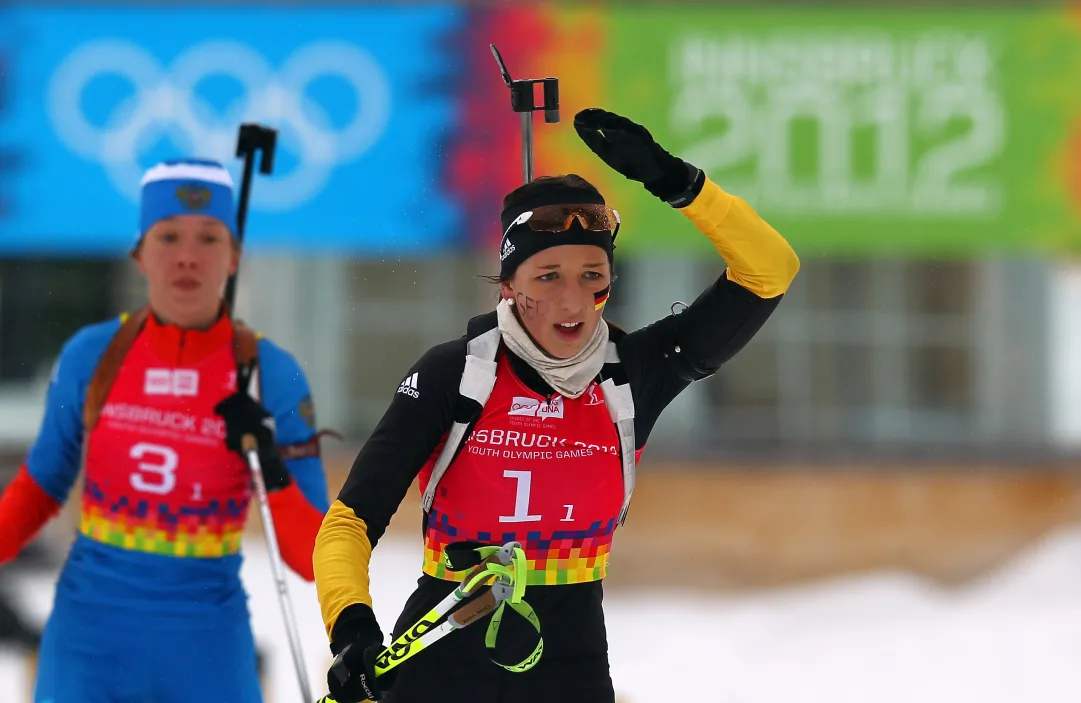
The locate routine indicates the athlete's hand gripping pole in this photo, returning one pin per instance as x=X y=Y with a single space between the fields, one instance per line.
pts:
x=522 y=101
x=251 y=451
x=506 y=566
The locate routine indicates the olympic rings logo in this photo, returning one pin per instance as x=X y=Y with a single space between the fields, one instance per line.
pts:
x=166 y=104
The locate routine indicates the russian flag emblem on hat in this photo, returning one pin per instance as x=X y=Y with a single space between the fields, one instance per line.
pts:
x=187 y=187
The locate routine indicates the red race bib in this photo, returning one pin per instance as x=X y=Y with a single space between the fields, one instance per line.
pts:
x=546 y=474
x=159 y=478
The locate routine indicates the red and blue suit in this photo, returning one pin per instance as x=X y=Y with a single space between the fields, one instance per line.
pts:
x=149 y=605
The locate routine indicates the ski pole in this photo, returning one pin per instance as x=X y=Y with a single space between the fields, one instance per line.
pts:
x=425 y=632
x=523 y=101
x=251 y=451
x=507 y=565
x=251 y=139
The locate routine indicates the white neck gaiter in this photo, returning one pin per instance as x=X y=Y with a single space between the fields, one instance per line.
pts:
x=569 y=377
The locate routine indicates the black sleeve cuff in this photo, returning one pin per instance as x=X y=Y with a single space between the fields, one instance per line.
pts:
x=356 y=623
x=697 y=179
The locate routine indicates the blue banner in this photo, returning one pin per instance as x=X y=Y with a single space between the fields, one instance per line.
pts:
x=363 y=98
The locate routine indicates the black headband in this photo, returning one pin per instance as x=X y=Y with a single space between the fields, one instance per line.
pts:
x=522 y=242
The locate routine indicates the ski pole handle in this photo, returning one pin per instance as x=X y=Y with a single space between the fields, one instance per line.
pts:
x=522 y=101
x=251 y=138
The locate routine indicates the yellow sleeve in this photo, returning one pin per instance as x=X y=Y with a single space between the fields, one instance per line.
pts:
x=758 y=258
x=340 y=560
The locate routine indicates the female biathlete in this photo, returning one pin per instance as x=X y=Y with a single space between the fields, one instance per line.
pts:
x=151 y=408
x=555 y=405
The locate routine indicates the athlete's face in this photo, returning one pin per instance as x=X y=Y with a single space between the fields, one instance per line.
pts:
x=186 y=261
x=554 y=292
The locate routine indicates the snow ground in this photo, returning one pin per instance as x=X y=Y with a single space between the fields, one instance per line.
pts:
x=1015 y=637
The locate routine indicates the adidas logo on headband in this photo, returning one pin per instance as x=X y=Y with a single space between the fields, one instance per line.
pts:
x=507 y=250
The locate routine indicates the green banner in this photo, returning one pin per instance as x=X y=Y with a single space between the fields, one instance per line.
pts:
x=859 y=131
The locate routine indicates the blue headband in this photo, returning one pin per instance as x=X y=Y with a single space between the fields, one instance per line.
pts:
x=187 y=187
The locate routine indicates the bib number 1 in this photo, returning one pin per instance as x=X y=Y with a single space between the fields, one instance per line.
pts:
x=521 y=497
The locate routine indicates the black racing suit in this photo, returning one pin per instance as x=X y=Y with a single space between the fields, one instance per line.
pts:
x=659 y=361
x=575 y=662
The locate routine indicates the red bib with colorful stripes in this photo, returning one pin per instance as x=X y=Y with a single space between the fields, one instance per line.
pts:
x=545 y=473
x=159 y=477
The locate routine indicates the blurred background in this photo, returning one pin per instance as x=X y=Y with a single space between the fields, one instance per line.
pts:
x=878 y=499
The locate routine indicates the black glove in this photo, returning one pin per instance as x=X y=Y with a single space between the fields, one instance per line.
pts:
x=356 y=643
x=630 y=149
x=244 y=415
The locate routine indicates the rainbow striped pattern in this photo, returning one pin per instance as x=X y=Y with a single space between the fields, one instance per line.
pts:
x=212 y=530
x=563 y=557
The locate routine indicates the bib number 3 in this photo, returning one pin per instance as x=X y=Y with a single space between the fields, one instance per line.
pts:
x=155 y=468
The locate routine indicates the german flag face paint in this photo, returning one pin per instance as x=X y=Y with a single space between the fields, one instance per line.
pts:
x=601 y=297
